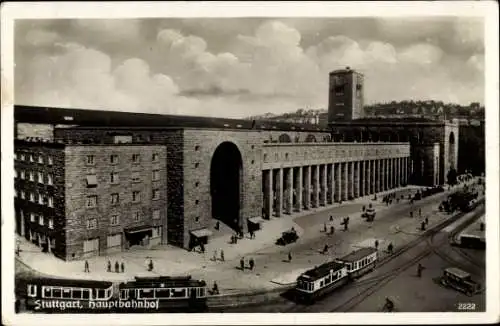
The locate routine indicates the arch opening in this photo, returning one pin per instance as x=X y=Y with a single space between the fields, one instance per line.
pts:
x=284 y=138
x=225 y=184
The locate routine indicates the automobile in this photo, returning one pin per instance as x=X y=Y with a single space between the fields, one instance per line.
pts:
x=287 y=237
x=460 y=280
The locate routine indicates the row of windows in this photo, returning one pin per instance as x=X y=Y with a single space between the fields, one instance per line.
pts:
x=40 y=218
x=115 y=158
x=115 y=219
x=30 y=175
x=31 y=158
x=362 y=263
x=35 y=197
x=115 y=198
x=114 y=178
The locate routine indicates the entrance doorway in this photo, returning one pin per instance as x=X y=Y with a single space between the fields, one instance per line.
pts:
x=225 y=184
x=138 y=236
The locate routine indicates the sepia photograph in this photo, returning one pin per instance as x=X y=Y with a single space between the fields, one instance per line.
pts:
x=220 y=159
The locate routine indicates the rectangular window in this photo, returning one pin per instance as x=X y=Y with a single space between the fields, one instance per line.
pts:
x=32 y=176
x=51 y=223
x=40 y=200
x=49 y=160
x=56 y=293
x=32 y=197
x=91 y=181
x=114 y=219
x=114 y=177
x=136 y=158
x=113 y=159
x=22 y=194
x=114 y=240
x=22 y=157
x=115 y=199
x=32 y=159
x=92 y=223
x=40 y=159
x=32 y=217
x=156 y=214
x=51 y=201
x=90 y=160
x=136 y=216
x=40 y=177
x=156 y=175
x=50 y=179
x=40 y=219
x=23 y=174
x=136 y=196
x=136 y=177
x=156 y=194
x=91 y=201
x=155 y=157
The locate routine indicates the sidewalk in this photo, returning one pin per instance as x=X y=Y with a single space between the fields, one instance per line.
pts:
x=272 y=269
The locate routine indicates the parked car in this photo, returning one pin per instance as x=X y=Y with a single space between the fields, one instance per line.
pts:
x=287 y=237
x=459 y=280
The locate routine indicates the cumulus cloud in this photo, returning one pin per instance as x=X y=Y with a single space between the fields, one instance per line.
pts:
x=266 y=70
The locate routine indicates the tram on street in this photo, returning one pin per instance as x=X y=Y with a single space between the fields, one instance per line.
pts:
x=360 y=262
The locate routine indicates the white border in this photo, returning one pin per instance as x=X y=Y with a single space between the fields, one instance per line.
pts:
x=487 y=9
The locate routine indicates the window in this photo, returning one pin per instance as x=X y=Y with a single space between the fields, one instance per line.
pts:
x=136 y=216
x=115 y=199
x=31 y=290
x=156 y=194
x=32 y=159
x=49 y=160
x=136 y=158
x=92 y=223
x=32 y=197
x=136 y=196
x=136 y=177
x=156 y=214
x=32 y=217
x=32 y=176
x=23 y=174
x=40 y=159
x=114 y=240
x=50 y=179
x=51 y=223
x=22 y=194
x=114 y=177
x=40 y=177
x=156 y=232
x=51 y=201
x=91 y=181
x=114 y=219
x=156 y=175
x=40 y=200
x=90 y=160
x=91 y=201
x=40 y=219
x=155 y=157
x=15 y=174
x=113 y=159
x=22 y=157
x=15 y=156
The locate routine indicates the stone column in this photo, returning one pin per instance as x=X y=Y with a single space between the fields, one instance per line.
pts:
x=398 y=171
x=338 y=181
x=324 y=184
x=279 y=192
x=391 y=170
x=268 y=193
x=307 y=186
x=368 y=178
x=331 y=182
x=316 y=185
x=376 y=172
x=290 y=191
x=21 y=214
x=298 y=190
x=343 y=181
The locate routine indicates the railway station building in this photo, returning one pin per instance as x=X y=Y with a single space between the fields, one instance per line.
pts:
x=179 y=175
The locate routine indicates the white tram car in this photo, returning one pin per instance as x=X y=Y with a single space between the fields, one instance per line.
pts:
x=321 y=280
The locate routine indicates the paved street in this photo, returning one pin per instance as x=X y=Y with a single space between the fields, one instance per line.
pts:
x=392 y=224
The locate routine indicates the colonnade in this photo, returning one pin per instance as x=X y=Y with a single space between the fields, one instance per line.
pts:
x=296 y=188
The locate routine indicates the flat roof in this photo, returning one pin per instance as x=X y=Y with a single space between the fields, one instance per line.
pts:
x=457 y=271
x=63 y=282
x=358 y=254
x=324 y=269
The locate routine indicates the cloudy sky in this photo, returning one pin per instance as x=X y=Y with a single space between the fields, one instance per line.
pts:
x=245 y=66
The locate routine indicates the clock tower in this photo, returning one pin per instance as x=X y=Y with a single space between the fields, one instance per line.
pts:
x=345 y=100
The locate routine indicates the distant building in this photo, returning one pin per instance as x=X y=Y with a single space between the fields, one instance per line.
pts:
x=345 y=101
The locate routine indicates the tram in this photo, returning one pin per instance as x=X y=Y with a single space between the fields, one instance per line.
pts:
x=360 y=262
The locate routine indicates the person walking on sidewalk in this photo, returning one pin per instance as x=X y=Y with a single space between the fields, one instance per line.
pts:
x=332 y=230
x=150 y=265
x=376 y=244
x=123 y=267
x=420 y=212
x=426 y=221
x=117 y=267
x=420 y=268
x=109 y=266
x=324 y=227
x=290 y=257
x=222 y=255
x=215 y=289
x=331 y=218
x=325 y=249
x=251 y=263
x=242 y=263
x=86 y=270
x=390 y=248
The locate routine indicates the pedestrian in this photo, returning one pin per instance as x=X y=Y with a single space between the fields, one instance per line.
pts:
x=422 y=226
x=123 y=267
x=87 y=270
x=332 y=230
x=222 y=255
x=411 y=213
x=419 y=270
x=217 y=226
x=376 y=244
x=117 y=267
x=150 y=266
x=420 y=212
x=289 y=256
x=252 y=234
x=242 y=263
x=202 y=247
x=364 y=208
x=325 y=249
x=109 y=266
x=331 y=218
x=389 y=305
x=324 y=227
x=251 y=263
x=390 y=248
x=426 y=220
x=215 y=289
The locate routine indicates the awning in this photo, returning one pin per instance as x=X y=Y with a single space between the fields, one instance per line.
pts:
x=200 y=233
x=91 y=180
x=256 y=220
x=138 y=229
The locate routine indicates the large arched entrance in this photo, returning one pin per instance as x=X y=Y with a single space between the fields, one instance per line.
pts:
x=225 y=184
